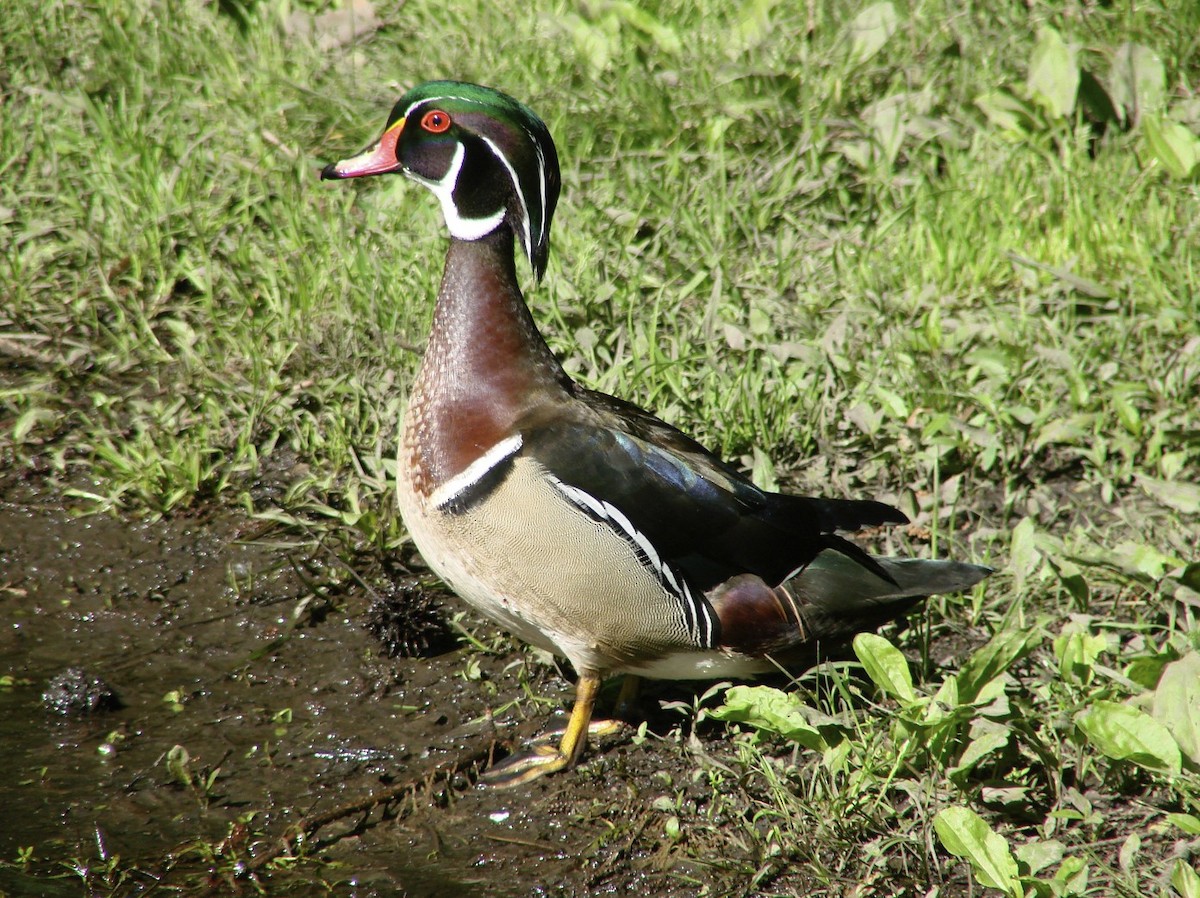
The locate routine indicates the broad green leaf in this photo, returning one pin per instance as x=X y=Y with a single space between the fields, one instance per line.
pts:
x=860 y=153
x=992 y=698
x=1177 y=148
x=1077 y=653
x=759 y=321
x=754 y=22
x=770 y=710
x=991 y=660
x=1071 y=577
x=887 y=127
x=1054 y=73
x=836 y=758
x=865 y=417
x=871 y=29
x=1038 y=854
x=1024 y=558
x=1072 y=875
x=1129 y=851
x=1138 y=558
x=891 y=401
x=1147 y=670
x=1137 y=81
x=886 y=666
x=1124 y=733
x=991 y=360
x=889 y=120
x=947 y=695
x=965 y=834
x=762 y=470
x=1095 y=99
x=1071 y=429
x=1176 y=494
x=1177 y=703
x=1127 y=412
x=986 y=739
x=1189 y=823
x=1006 y=111
x=1185 y=880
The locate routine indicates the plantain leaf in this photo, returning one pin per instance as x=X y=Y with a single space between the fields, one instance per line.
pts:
x=886 y=666
x=988 y=662
x=1006 y=111
x=1177 y=703
x=1096 y=100
x=986 y=737
x=1185 y=880
x=1137 y=81
x=1053 y=73
x=1124 y=733
x=871 y=29
x=1024 y=558
x=1077 y=654
x=1037 y=855
x=1144 y=560
x=1176 y=494
x=1177 y=148
x=1189 y=823
x=965 y=834
x=771 y=710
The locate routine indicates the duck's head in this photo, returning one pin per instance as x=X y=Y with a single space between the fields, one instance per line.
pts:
x=488 y=157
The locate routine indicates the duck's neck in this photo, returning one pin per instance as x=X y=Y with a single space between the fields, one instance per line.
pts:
x=485 y=366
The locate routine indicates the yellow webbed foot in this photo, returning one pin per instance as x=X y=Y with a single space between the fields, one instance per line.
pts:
x=542 y=757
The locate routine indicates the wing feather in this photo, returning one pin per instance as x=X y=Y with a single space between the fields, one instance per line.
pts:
x=703 y=516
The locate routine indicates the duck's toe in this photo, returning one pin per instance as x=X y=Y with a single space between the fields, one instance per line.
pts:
x=525 y=766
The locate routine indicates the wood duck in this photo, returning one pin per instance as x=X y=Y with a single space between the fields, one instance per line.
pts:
x=578 y=521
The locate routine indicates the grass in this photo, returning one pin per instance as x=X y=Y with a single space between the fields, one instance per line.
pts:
x=994 y=326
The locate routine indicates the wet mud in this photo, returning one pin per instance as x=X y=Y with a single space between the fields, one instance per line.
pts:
x=246 y=695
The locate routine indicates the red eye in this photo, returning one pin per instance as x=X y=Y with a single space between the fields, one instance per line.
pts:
x=435 y=121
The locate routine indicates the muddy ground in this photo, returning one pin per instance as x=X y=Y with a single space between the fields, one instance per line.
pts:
x=253 y=657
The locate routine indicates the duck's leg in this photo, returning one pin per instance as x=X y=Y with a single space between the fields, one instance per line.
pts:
x=627 y=698
x=542 y=759
x=623 y=710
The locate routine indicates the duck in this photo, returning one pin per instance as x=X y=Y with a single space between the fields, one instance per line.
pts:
x=577 y=521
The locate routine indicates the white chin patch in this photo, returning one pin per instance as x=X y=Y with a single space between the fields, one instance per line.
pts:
x=460 y=227
x=468 y=228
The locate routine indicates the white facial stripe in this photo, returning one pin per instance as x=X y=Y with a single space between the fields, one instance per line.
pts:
x=461 y=227
x=541 y=158
x=472 y=226
x=475 y=471
x=413 y=106
x=512 y=174
x=541 y=161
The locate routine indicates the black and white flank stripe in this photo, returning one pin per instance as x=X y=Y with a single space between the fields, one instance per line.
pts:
x=696 y=613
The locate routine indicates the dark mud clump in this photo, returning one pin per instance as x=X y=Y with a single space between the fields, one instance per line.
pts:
x=75 y=692
x=409 y=621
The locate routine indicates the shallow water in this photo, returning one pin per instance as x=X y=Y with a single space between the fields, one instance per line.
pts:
x=215 y=645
